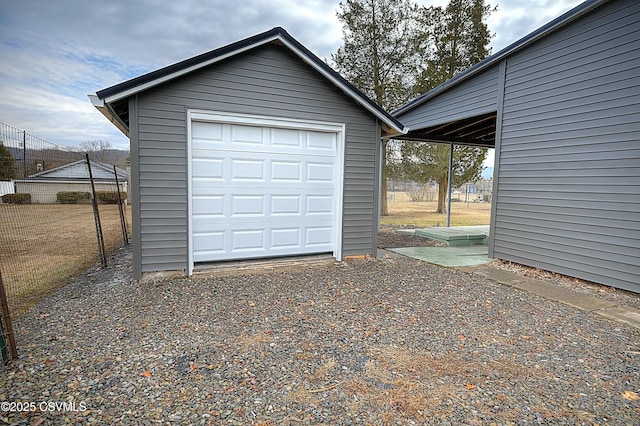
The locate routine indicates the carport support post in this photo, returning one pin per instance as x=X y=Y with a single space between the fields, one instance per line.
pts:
x=449 y=184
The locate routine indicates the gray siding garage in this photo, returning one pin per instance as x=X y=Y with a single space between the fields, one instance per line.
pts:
x=256 y=149
x=564 y=108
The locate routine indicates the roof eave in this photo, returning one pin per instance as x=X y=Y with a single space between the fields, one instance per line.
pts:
x=108 y=112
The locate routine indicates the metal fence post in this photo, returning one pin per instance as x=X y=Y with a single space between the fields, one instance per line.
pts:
x=96 y=216
x=7 y=338
x=123 y=221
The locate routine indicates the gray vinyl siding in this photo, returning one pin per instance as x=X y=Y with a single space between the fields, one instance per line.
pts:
x=568 y=193
x=268 y=81
x=470 y=98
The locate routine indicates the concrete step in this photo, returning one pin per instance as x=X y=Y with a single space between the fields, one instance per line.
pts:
x=457 y=236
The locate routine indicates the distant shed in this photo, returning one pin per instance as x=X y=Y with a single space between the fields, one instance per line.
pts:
x=44 y=186
x=562 y=109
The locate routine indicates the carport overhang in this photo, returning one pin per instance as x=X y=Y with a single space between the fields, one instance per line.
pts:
x=479 y=130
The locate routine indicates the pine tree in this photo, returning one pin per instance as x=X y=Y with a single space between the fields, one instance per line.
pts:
x=379 y=55
x=8 y=168
x=453 y=39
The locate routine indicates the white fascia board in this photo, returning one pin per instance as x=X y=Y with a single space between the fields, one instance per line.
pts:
x=101 y=106
x=96 y=101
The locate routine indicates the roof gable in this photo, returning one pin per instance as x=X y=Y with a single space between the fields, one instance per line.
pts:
x=78 y=170
x=111 y=101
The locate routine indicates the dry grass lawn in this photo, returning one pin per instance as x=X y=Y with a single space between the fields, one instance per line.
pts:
x=421 y=214
x=409 y=386
x=42 y=245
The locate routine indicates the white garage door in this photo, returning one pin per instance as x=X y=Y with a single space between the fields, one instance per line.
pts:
x=259 y=190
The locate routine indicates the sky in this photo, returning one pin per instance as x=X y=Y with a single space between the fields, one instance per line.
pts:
x=53 y=53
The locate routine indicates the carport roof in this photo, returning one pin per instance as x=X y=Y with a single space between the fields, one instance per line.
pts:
x=480 y=130
x=113 y=101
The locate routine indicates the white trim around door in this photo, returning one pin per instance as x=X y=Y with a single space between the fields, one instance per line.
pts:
x=257 y=166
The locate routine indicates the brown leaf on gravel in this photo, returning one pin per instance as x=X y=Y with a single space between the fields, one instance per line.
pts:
x=470 y=386
x=146 y=373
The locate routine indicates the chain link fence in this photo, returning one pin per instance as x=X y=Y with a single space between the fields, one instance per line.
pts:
x=60 y=212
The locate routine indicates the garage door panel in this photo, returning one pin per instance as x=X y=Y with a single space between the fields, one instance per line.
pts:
x=249 y=135
x=286 y=138
x=203 y=135
x=261 y=191
x=207 y=244
x=319 y=204
x=209 y=205
x=285 y=238
x=247 y=239
x=246 y=170
x=286 y=171
x=216 y=136
x=321 y=142
x=243 y=205
x=320 y=172
x=319 y=236
x=210 y=168
x=285 y=205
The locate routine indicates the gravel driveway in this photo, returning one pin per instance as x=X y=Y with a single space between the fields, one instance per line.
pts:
x=376 y=341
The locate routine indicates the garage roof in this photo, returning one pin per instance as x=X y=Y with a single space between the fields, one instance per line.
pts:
x=113 y=101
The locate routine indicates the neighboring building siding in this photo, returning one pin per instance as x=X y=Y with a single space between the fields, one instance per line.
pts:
x=569 y=182
x=473 y=97
x=267 y=81
x=6 y=188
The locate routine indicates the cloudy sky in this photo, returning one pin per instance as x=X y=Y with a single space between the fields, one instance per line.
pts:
x=54 y=53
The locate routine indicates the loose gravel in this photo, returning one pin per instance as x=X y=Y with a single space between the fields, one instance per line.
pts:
x=391 y=237
x=378 y=341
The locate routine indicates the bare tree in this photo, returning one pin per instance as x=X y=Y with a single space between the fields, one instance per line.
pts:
x=97 y=149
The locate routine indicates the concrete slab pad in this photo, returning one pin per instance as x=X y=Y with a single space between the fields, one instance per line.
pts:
x=448 y=256
x=498 y=275
x=564 y=295
x=625 y=314
x=456 y=235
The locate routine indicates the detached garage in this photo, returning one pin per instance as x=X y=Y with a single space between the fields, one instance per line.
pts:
x=256 y=149
x=562 y=108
